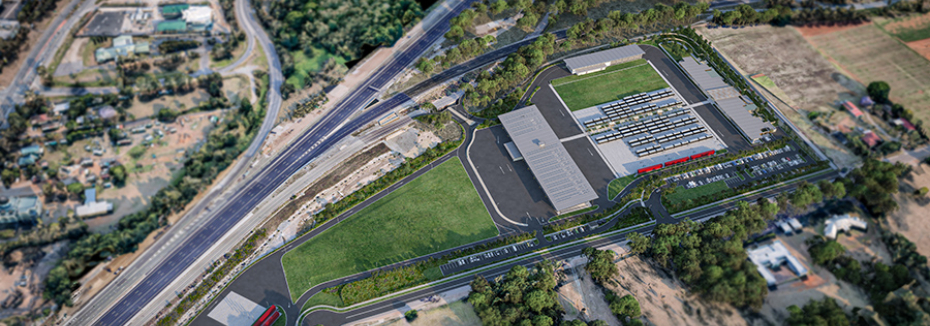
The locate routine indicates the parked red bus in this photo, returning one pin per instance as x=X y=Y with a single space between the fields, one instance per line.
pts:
x=673 y=162
x=649 y=168
x=268 y=312
x=272 y=319
x=699 y=155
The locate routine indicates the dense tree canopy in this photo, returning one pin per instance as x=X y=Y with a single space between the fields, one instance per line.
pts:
x=339 y=27
x=710 y=256
x=817 y=313
x=523 y=297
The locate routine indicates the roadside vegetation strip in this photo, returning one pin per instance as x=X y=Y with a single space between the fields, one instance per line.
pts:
x=215 y=275
x=436 y=211
x=609 y=87
x=308 y=308
x=638 y=215
x=385 y=282
x=823 y=170
x=616 y=186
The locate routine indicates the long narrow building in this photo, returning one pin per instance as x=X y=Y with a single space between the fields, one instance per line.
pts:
x=551 y=165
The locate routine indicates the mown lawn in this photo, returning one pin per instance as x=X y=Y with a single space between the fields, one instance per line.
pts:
x=611 y=84
x=437 y=211
x=617 y=185
x=681 y=194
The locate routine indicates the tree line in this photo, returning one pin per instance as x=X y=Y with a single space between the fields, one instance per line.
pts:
x=524 y=297
x=517 y=67
x=172 y=46
x=341 y=28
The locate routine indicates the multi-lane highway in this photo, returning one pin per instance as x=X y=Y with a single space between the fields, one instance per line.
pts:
x=333 y=127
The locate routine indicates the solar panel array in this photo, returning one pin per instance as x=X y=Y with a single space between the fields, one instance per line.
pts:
x=649 y=150
x=680 y=134
x=685 y=142
x=632 y=105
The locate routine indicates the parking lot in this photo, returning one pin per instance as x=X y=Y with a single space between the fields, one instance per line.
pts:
x=743 y=170
x=493 y=255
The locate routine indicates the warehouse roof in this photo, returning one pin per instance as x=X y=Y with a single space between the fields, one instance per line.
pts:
x=741 y=114
x=601 y=57
x=703 y=75
x=553 y=167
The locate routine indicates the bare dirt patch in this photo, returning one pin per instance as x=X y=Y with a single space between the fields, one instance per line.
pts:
x=580 y=293
x=804 y=81
x=664 y=300
x=143 y=109
x=869 y=54
x=456 y=313
x=780 y=53
x=911 y=217
x=922 y=47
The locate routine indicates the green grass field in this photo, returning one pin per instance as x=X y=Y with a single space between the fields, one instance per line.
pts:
x=681 y=194
x=437 y=211
x=611 y=84
x=304 y=65
x=617 y=185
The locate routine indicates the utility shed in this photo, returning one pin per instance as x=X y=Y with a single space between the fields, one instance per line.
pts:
x=600 y=60
x=551 y=165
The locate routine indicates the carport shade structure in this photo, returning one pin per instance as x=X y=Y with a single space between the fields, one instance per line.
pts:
x=551 y=165
x=600 y=60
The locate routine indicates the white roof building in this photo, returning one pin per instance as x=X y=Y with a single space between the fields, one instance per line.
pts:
x=843 y=223
x=198 y=15
x=771 y=256
x=93 y=209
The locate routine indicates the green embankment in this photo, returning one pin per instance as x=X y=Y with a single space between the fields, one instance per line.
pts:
x=437 y=211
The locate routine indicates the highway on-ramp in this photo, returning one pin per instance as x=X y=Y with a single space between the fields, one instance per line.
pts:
x=322 y=136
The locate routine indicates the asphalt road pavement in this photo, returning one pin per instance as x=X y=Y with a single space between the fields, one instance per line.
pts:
x=327 y=132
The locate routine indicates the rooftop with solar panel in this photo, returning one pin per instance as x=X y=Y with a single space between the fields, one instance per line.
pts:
x=634 y=117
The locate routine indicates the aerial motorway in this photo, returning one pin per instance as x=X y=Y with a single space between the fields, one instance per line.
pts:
x=119 y=303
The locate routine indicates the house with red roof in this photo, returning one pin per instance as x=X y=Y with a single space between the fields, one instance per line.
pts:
x=853 y=109
x=870 y=138
x=907 y=125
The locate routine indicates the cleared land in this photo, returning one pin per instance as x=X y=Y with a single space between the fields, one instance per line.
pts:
x=456 y=313
x=911 y=217
x=797 y=78
x=664 y=300
x=616 y=185
x=786 y=59
x=869 y=54
x=681 y=194
x=437 y=211
x=611 y=84
x=907 y=29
